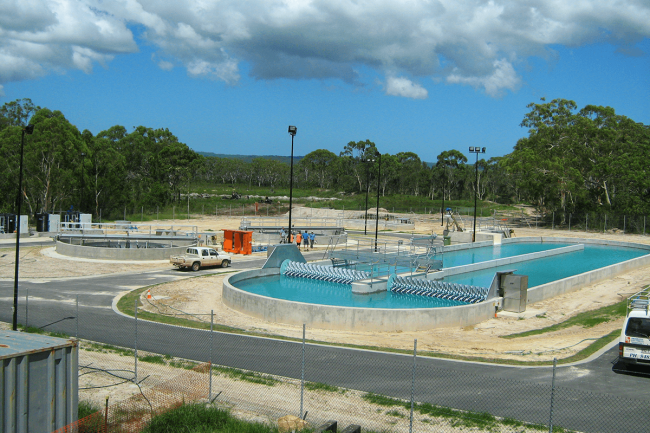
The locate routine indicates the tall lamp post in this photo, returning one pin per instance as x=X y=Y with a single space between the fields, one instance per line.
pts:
x=83 y=186
x=29 y=129
x=365 y=228
x=475 y=150
x=292 y=132
x=377 y=219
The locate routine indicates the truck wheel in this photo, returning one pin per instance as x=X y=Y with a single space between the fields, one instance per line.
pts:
x=225 y=264
x=196 y=266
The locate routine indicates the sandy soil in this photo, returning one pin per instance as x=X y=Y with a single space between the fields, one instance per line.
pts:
x=483 y=340
x=200 y=295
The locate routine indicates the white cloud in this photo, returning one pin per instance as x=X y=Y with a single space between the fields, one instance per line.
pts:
x=165 y=65
x=503 y=76
x=400 y=86
x=472 y=42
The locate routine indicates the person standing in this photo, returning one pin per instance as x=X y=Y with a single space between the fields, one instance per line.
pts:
x=298 y=239
x=283 y=236
x=312 y=238
x=305 y=239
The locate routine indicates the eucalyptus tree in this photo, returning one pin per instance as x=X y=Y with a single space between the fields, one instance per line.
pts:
x=321 y=163
x=449 y=164
x=355 y=153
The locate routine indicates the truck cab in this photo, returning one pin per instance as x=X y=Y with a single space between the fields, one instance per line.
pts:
x=634 y=342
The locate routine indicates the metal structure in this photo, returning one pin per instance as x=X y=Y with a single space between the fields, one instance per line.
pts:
x=437 y=289
x=125 y=234
x=292 y=131
x=39 y=382
x=475 y=150
x=420 y=254
x=29 y=129
x=322 y=273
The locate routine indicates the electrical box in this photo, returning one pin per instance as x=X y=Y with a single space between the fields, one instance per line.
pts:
x=54 y=222
x=86 y=218
x=514 y=290
x=24 y=224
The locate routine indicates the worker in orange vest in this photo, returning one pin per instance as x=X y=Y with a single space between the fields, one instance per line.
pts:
x=298 y=239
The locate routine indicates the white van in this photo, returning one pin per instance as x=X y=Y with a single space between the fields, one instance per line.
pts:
x=634 y=343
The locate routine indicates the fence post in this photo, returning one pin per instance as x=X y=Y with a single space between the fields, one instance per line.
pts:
x=643 y=225
x=142 y=214
x=26 y=308
x=76 y=332
x=624 y=222
x=415 y=350
x=586 y=223
x=125 y=213
x=210 y=370
x=550 y=420
x=569 y=222
x=553 y=223
x=157 y=216
x=135 y=353
x=605 y=226
x=302 y=374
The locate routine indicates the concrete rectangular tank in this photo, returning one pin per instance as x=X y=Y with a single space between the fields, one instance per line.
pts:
x=39 y=387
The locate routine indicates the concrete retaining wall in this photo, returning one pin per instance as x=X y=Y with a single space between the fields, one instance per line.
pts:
x=417 y=319
x=117 y=253
x=347 y=318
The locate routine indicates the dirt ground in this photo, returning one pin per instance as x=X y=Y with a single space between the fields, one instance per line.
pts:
x=200 y=295
x=483 y=340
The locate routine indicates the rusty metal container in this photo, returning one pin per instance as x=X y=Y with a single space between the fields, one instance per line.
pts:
x=39 y=387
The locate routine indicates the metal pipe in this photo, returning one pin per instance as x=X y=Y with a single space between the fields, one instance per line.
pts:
x=26 y=130
x=377 y=217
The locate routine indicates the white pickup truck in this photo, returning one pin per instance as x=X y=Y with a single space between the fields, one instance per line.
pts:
x=634 y=343
x=198 y=257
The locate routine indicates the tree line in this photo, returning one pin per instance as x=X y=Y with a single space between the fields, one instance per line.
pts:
x=571 y=161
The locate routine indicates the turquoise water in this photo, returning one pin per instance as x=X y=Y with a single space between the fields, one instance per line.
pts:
x=483 y=254
x=545 y=270
x=539 y=271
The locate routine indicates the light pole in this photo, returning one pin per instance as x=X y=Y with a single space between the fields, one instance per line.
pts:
x=475 y=150
x=29 y=129
x=292 y=132
x=83 y=186
x=365 y=228
x=377 y=219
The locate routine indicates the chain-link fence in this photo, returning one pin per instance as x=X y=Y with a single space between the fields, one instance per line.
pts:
x=144 y=368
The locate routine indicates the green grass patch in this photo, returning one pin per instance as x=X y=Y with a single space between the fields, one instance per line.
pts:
x=318 y=386
x=248 y=376
x=126 y=305
x=199 y=418
x=86 y=408
x=153 y=359
x=457 y=418
x=35 y=330
x=587 y=319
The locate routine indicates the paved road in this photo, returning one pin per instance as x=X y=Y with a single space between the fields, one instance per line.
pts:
x=590 y=396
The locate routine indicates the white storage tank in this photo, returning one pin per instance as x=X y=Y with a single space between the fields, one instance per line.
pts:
x=38 y=382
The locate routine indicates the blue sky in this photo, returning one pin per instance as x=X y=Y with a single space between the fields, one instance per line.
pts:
x=409 y=75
